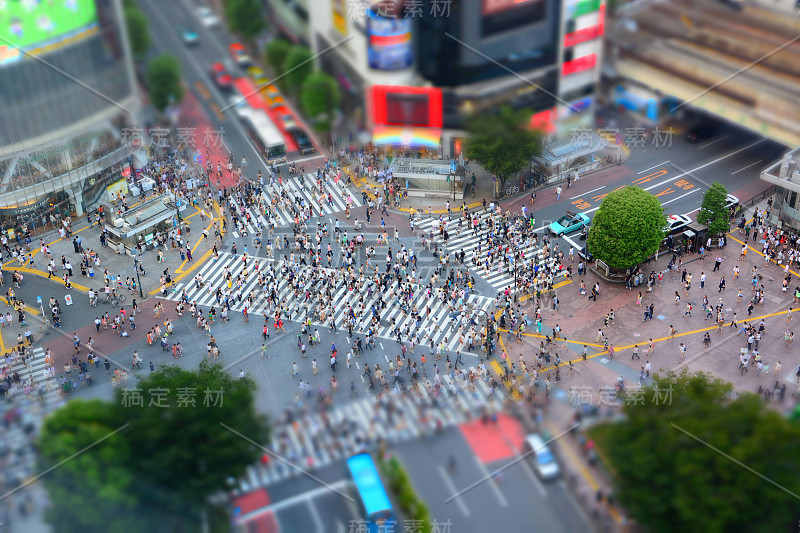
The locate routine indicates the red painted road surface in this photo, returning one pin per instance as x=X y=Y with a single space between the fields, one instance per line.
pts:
x=207 y=141
x=492 y=442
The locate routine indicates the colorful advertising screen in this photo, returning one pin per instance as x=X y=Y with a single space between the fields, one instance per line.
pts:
x=389 y=42
x=407 y=106
x=38 y=26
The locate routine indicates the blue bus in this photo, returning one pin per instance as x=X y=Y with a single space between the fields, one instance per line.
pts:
x=374 y=500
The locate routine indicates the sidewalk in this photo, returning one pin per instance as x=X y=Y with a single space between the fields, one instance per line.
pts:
x=118 y=265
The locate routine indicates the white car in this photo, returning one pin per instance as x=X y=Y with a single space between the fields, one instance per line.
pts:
x=676 y=222
x=207 y=17
x=543 y=459
x=731 y=201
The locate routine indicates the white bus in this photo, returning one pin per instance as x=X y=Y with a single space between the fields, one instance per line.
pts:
x=264 y=134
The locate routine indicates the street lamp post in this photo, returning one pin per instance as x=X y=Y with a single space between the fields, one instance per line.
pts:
x=136 y=269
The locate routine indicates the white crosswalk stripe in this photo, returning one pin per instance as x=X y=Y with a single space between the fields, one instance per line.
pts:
x=461 y=237
x=44 y=383
x=315 y=441
x=333 y=199
x=436 y=320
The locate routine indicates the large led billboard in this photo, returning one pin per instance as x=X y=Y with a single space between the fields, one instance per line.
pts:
x=389 y=41
x=407 y=106
x=38 y=26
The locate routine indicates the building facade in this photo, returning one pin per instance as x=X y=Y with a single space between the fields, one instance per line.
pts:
x=542 y=56
x=68 y=96
x=785 y=174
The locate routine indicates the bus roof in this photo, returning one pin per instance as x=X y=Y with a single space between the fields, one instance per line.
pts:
x=369 y=485
x=258 y=118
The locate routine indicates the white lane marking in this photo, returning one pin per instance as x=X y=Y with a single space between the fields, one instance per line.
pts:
x=655 y=166
x=572 y=243
x=745 y=168
x=491 y=482
x=358 y=367
x=452 y=489
x=692 y=211
x=309 y=158
x=315 y=515
x=587 y=192
x=713 y=142
x=294 y=500
x=381 y=345
x=681 y=196
x=386 y=357
x=717 y=160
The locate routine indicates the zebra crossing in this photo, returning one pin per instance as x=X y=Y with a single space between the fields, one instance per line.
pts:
x=438 y=321
x=460 y=237
x=336 y=198
x=317 y=440
x=25 y=411
x=42 y=384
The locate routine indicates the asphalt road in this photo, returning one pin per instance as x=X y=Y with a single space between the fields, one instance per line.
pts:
x=677 y=174
x=515 y=500
x=196 y=63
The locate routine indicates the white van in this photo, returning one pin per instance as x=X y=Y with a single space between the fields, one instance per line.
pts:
x=543 y=459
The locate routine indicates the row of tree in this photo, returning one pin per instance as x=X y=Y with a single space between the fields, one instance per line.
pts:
x=163 y=73
x=151 y=459
x=295 y=71
x=630 y=225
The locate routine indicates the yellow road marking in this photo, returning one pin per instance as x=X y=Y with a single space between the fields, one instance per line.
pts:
x=759 y=253
x=35 y=272
x=214 y=107
x=199 y=262
x=201 y=88
x=180 y=268
x=28 y=308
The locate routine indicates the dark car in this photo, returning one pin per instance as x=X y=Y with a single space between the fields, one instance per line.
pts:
x=300 y=137
x=701 y=132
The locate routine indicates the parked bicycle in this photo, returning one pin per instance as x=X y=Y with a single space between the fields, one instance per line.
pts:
x=512 y=190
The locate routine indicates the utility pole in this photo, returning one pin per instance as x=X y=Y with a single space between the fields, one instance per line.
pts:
x=136 y=269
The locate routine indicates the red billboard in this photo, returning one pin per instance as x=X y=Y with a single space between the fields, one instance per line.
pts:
x=579 y=65
x=407 y=106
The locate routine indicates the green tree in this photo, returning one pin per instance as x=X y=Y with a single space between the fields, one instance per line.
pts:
x=320 y=95
x=669 y=480
x=628 y=228
x=502 y=143
x=298 y=66
x=275 y=53
x=138 y=33
x=164 y=80
x=245 y=17
x=713 y=212
x=102 y=474
x=172 y=457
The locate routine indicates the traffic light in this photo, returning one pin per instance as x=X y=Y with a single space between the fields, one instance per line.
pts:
x=448 y=178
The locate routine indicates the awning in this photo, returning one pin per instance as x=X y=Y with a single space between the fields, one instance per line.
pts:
x=406 y=137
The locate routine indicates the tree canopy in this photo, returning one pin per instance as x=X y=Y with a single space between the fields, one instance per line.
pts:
x=275 y=53
x=298 y=66
x=628 y=228
x=320 y=94
x=669 y=480
x=138 y=32
x=502 y=143
x=168 y=457
x=245 y=17
x=164 y=80
x=713 y=213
